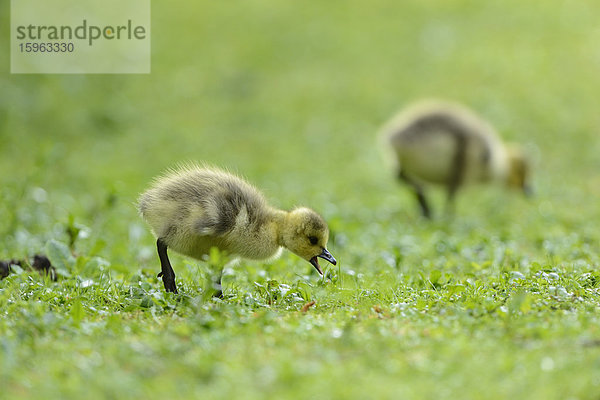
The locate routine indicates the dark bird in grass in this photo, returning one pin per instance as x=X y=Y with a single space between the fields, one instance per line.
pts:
x=40 y=263
x=195 y=208
x=447 y=144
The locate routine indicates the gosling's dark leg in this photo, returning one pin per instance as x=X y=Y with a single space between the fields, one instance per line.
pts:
x=423 y=204
x=425 y=210
x=167 y=273
x=453 y=185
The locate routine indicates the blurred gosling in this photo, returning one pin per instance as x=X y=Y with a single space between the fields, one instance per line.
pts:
x=447 y=144
x=194 y=208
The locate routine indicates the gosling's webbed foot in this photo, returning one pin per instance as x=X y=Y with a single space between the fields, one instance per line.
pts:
x=169 y=282
x=170 y=285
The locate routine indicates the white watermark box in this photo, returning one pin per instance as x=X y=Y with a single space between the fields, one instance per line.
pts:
x=80 y=36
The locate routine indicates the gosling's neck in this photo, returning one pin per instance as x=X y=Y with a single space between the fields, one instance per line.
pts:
x=277 y=221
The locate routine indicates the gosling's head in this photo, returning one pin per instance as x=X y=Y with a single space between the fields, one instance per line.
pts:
x=518 y=169
x=305 y=234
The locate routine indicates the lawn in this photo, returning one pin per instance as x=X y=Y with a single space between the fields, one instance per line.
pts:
x=502 y=300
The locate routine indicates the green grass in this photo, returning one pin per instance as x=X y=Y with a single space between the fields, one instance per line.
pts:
x=501 y=301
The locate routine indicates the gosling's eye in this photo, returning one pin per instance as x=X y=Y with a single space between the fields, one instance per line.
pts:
x=313 y=240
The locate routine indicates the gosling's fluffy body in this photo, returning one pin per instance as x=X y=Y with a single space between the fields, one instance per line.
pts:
x=445 y=143
x=425 y=138
x=195 y=208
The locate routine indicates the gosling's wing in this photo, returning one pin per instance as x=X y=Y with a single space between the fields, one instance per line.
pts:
x=215 y=220
x=231 y=207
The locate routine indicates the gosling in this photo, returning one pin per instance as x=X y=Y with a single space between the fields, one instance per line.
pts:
x=193 y=208
x=447 y=144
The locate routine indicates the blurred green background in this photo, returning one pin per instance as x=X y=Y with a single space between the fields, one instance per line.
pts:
x=291 y=96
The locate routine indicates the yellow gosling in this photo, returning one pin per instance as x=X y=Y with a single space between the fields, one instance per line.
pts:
x=195 y=208
x=447 y=144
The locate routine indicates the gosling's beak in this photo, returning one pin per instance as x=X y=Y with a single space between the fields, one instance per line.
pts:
x=528 y=191
x=325 y=255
